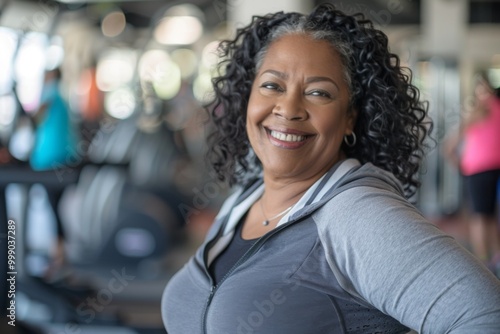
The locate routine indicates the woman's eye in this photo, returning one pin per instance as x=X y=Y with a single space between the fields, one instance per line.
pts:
x=320 y=93
x=271 y=86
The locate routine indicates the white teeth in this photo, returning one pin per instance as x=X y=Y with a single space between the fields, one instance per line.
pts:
x=286 y=137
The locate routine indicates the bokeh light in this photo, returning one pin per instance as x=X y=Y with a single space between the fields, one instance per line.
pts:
x=187 y=61
x=7 y=109
x=120 y=103
x=181 y=25
x=115 y=69
x=167 y=82
x=113 y=24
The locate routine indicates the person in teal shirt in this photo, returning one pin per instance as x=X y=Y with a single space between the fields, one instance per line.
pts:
x=55 y=138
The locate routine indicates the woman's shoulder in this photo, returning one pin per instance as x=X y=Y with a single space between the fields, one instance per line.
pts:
x=373 y=179
x=370 y=198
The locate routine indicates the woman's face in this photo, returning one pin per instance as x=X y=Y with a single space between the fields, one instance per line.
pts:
x=483 y=91
x=298 y=114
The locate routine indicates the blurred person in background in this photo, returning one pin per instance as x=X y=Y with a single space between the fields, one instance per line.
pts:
x=54 y=147
x=55 y=137
x=323 y=132
x=475 y=149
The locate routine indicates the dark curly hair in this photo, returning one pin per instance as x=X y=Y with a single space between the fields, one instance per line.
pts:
x=391 y=124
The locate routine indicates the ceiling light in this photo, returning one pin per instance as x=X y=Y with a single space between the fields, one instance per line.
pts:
x=178 y=30
x=113 y=24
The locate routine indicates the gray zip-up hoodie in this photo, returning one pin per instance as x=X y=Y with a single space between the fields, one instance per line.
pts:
x=352 y=256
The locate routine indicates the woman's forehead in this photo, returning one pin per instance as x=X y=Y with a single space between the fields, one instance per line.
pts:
x=300 y=50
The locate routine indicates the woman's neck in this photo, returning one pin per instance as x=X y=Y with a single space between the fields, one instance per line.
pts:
x=281 y=192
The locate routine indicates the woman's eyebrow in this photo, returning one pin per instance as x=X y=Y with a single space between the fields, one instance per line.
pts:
x=320 y=79
x=279 y=74
x=285 y=76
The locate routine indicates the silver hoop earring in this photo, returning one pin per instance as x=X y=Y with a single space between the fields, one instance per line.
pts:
x=352 y=142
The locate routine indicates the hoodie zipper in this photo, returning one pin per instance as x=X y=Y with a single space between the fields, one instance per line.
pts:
x=255 y=247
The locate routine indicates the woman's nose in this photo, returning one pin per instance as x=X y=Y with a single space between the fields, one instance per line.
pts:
x=290 y=107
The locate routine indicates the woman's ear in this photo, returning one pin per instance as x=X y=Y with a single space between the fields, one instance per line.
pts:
x=352 y=117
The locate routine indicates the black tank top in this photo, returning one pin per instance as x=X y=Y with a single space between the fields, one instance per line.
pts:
x=229 y=256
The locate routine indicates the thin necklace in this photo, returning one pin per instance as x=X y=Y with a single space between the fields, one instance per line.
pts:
x=266 y=221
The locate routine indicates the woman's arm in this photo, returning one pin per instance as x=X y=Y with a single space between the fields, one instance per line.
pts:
x=404 y=266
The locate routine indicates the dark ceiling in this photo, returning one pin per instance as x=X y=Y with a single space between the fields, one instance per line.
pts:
x=387 y=12
x=382 y=12
x=139 y=13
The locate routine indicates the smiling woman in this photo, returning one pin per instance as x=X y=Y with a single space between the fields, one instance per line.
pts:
x=321 y=237
x=298 y=109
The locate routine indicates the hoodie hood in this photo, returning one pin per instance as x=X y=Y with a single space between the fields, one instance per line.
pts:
x=344 y=175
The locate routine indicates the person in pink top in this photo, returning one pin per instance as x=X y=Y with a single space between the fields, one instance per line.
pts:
x=479 y=162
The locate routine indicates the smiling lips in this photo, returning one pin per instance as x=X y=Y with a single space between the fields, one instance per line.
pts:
x=287 y=140
x=286 y=137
